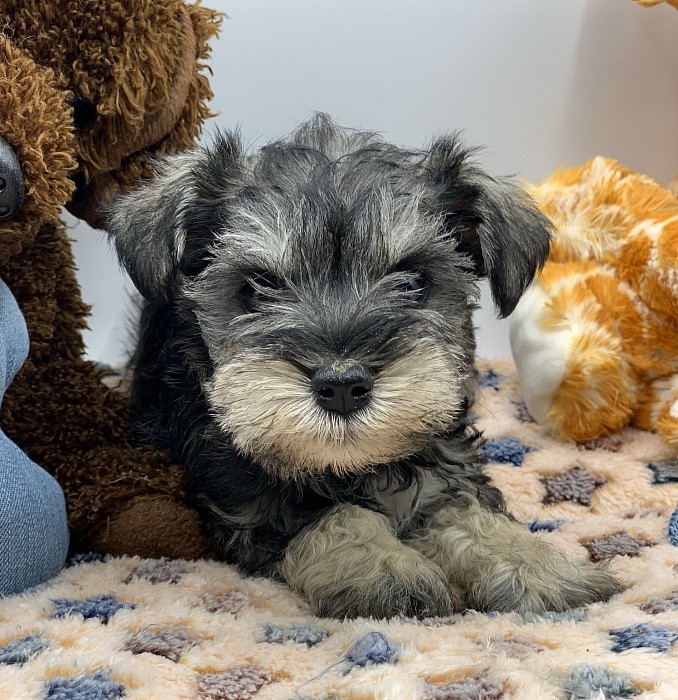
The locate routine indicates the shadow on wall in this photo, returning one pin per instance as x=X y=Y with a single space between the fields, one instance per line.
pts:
x=623 y=91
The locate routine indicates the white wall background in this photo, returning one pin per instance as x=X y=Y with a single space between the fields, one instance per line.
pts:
x=539 y=82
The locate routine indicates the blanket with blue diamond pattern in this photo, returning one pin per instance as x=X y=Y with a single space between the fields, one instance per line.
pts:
x=147 y=629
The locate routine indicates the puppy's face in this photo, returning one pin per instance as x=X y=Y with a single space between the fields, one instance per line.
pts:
x=332 y=277
x=337 y=321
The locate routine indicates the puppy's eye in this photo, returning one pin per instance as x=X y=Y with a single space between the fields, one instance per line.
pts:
x=258 y=291
x=252 y=299
x=414 y=290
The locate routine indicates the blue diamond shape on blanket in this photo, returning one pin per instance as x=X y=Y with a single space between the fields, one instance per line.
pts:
x=489 y=379
x=98 y=686
x=102 y=607
x=576 y=485
x=240 y=683
x=665 y=472
x=673 y=528
x=300 y=634
x=643 y=637
x=19 y=651
x=616 y=544
x=86 y=558
x=522 y=412
x=589 y=682
x=544 y=525
x=508 y=450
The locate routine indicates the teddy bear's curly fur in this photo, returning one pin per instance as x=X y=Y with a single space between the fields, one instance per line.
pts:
x=91 y=88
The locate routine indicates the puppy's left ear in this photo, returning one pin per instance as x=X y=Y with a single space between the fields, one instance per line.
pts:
x=493 y=221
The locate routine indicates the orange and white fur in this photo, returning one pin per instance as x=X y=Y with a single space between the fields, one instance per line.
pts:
x=595 y=339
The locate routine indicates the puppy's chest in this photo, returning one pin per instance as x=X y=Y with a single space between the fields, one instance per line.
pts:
x=403 y=506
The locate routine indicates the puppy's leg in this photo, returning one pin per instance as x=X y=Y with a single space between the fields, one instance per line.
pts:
x=351 y=564
x=500 y=565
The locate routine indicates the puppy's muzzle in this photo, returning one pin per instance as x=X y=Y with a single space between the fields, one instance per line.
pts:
x=342 y=387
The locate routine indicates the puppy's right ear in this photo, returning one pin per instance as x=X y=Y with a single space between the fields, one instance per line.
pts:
x=161 y=228
x=492 y=221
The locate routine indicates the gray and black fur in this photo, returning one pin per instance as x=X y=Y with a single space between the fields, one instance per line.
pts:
x=306 y=350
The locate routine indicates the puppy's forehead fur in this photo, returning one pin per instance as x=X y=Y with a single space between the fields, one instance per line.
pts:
x=325 y=198
x=328 y=202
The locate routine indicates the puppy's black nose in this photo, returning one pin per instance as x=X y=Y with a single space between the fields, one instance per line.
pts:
x=342 y=387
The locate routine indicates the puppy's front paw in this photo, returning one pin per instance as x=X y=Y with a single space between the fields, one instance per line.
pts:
x=544 y=580
x=501 y=566
x=403 y=584
x=350 y=564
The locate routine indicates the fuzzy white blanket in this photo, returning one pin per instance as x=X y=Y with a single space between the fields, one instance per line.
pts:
x=142 y=629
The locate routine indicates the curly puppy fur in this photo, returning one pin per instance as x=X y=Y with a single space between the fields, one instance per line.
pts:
x=306 y=350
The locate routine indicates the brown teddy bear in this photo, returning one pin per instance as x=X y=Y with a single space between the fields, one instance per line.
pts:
x=90 y=88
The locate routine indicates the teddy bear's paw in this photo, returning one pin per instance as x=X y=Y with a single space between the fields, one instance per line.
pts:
x=152 y=525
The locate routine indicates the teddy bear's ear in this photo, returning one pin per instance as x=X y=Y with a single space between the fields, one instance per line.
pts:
x=493 y=221
x=163 y=229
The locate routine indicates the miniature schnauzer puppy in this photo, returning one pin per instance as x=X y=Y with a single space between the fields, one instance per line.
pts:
x=306 y=350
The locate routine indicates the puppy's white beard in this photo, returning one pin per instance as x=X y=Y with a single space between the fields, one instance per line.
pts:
x=267 y=406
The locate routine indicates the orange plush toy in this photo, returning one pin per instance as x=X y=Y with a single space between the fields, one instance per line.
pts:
x=595 y=340
x=651 y=3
